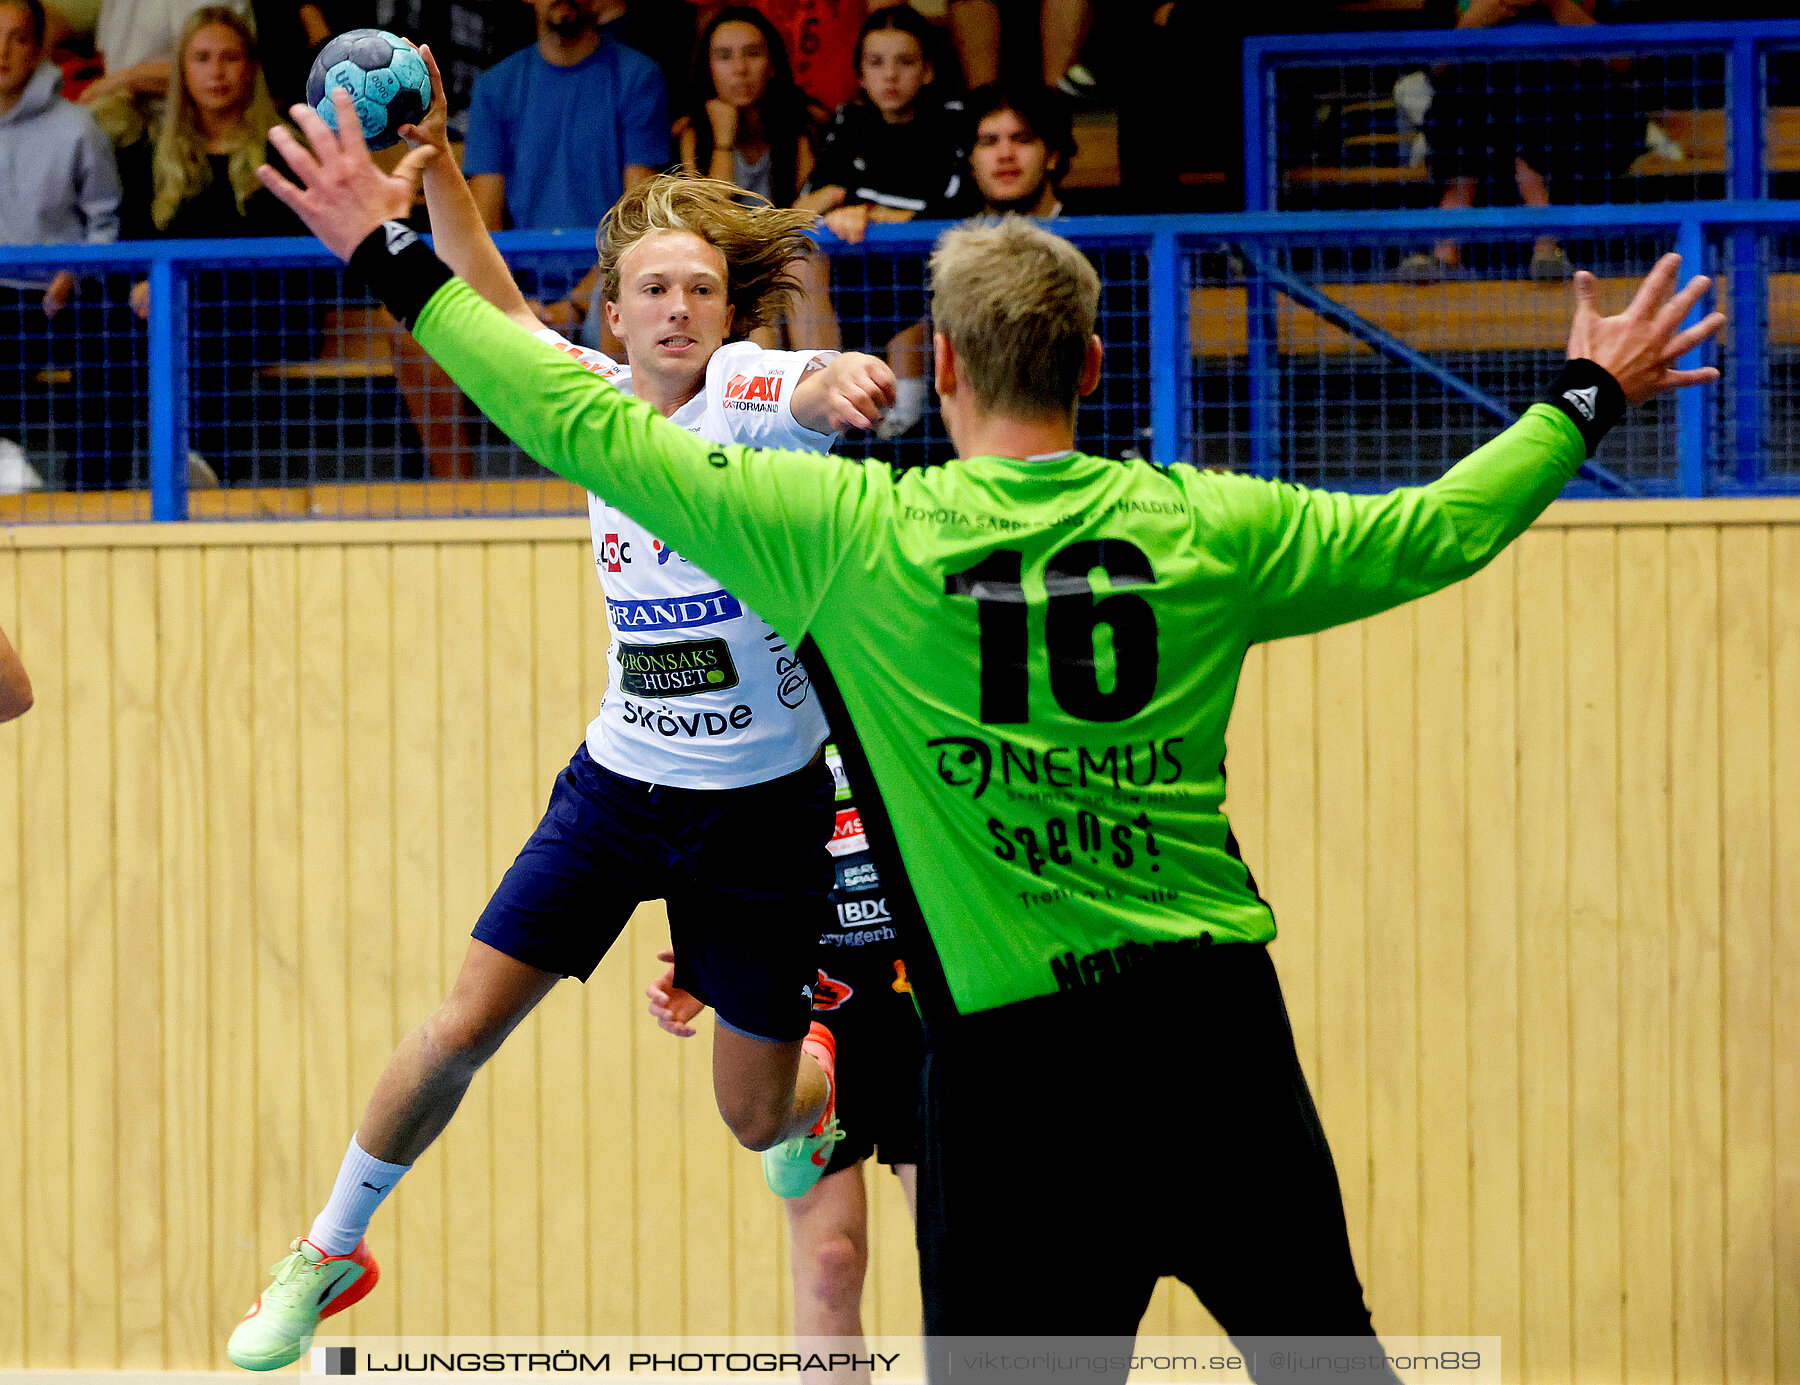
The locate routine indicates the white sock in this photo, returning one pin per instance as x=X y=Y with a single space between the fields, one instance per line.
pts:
x=910 y=399
x=363 y=1183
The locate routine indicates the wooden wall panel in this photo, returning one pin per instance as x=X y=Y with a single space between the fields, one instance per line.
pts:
x=1532 y=845
x=12 y=984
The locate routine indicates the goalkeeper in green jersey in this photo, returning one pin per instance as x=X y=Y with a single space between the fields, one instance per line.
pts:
x=1033 y=655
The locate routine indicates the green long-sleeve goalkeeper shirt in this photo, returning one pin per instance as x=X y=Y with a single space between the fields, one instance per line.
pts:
x=1038 y=658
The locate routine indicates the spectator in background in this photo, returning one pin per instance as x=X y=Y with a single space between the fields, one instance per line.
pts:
x=15 y=686
x=559 y=130
x=747 y=121
x=892 y=154
x=747 y=125
x=192 y=175
x=820 y=36
x=1063 y=27
x=1478 y=133
x=58 y=186
x=468 y=37
x=1020 y=146
x=289 y=34
x=137 y=40
x=895 y=152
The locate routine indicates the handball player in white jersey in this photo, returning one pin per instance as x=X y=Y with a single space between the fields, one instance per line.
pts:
x=700 y=782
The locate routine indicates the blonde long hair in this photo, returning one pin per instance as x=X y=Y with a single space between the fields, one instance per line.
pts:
x=759 y=242
x=180 y=167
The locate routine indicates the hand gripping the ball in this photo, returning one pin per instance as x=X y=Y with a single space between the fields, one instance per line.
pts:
x=343 y=196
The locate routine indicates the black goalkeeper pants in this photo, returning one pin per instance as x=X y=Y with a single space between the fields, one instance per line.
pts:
x=1079 y=1146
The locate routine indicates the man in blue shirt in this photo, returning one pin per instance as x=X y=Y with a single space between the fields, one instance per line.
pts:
x=559 y=130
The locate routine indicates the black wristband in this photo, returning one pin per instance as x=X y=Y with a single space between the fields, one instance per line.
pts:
x=399 y=269
x=1590 y=397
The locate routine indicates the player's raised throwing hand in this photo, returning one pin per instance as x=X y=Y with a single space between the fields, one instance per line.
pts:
x=1639 y=346
x=345 y=196
x=853 y=391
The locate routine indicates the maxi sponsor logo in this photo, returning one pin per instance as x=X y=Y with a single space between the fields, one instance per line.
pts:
x=754 y=394
x=969 y=762
x=674 y=612
x=680 y=669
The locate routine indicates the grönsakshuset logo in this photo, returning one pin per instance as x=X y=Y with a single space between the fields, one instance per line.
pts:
x=971 y=762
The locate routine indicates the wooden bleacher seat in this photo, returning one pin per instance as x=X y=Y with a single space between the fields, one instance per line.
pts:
x=1701 y=135
x=359 y=345
x=1468 y=315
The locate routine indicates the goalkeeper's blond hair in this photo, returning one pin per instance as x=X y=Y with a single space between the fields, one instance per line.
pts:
x=760 y=242
x=1018 y=303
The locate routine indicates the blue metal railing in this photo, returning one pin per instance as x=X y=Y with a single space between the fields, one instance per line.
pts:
x=1274 y=266
x=1742 y=47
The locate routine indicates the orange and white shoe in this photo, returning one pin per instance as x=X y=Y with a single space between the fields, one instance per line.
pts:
x=794 y=1168
x=309 y=1285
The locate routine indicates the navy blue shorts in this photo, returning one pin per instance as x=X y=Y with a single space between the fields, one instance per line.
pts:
x=745 y=873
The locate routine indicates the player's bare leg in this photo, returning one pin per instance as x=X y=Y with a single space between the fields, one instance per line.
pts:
x=424 y=1082
x=975 y=29
x=828 y=1232
x=767 y=1092
x=829 y=1236
x=330 y=1268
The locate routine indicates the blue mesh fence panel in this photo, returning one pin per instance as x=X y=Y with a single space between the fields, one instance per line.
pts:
x=1292 y=346
x=1759 y=398
x=72 y=388
x=1614 y=127
x=1611 y=114
x=1781 y=115
x=1340 y=410
x=1781 y=378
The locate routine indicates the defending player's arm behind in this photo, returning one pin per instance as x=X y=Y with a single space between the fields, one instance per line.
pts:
x=1313 y=559
x=776 y=527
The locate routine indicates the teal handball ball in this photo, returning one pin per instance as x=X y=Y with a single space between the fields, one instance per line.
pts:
x=384 y=76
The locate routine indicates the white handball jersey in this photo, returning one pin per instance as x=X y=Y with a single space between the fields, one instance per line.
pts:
x=701 y=693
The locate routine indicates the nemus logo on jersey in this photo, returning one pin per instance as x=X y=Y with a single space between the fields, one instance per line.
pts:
x=674 y=613
x=754 y=393
x=969 y=762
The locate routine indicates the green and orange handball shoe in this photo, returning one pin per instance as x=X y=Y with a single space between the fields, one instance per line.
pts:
x=794 y=1168
x=309 y=1285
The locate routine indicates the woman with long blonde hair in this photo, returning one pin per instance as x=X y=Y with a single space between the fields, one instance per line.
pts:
x=191 y=175
x=194 y=174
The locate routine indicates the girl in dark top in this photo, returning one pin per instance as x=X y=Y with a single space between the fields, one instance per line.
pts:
x=193 y=177
x=747 y=122
x=747 y=125
x=891 y=155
